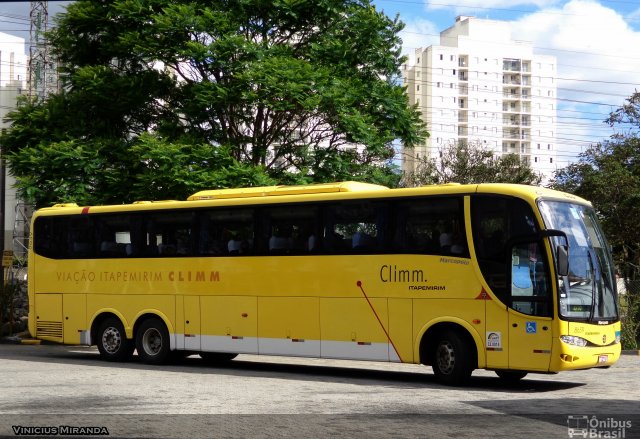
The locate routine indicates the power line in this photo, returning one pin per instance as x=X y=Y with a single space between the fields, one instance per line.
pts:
x=532 y=46
x=500 y=93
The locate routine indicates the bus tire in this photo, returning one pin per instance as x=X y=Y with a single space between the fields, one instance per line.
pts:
x=112 y=342
x=452 y=358
x=511 y=376
x=152 y=341
x=216 y=357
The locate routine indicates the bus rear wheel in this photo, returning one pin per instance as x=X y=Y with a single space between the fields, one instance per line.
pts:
x=112 y=342
x=452 y=359
x=152 y=341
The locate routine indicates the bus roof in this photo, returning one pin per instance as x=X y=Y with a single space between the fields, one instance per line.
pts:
x=348 y=189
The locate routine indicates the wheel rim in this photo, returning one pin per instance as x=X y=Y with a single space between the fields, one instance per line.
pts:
x=111 y=340
x=446 y=357
x=152 y=341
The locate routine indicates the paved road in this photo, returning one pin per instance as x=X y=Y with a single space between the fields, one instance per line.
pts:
x=51 y=386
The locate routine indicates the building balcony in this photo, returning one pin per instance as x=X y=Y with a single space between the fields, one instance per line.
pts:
x=511 y=65
x=511 y=95
x=511 y=122
x=511 y=79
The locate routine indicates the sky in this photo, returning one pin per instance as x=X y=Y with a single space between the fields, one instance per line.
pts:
x=596 y=43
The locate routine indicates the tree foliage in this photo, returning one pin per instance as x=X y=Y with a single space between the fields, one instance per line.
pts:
x=608 y=174
x=471 y=163
x=279 y=91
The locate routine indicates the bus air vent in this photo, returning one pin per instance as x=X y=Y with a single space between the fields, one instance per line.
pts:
x=49 y=329
x=268 y=191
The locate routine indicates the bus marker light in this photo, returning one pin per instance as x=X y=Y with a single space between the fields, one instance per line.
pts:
x=476 y=321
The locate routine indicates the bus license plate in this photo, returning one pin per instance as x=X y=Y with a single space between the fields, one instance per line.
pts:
x=603 y=358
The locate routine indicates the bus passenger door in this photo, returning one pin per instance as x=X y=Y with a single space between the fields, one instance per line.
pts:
x=192 y=336
x=530 y=309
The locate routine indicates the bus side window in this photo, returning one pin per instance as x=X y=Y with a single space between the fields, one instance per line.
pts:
x=225 y=232
x=169 y=234
x=355 y=227
x=433 y=226
x=290 y=230
x=81 y=241
x=530 y=290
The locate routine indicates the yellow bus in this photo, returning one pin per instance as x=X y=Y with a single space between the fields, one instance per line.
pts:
x=509 y=278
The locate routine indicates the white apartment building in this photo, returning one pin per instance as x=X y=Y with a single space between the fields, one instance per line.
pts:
x=13 y=82
x=481 y=87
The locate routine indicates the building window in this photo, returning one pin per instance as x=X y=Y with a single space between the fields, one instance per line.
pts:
x=418 y=87
x=439 y=84
x=536 y=160
x=454 y=72
x=418 y=60
x=538 y=146
x=441 y=57
x=549 y=146
x=550 y=159
x=452 y=58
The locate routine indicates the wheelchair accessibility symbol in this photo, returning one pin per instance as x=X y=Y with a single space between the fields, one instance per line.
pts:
x=531 y=327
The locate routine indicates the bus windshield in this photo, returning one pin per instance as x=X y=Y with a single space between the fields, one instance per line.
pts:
x=588 y=293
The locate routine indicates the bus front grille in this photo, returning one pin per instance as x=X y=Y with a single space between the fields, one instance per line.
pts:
x=49 y=329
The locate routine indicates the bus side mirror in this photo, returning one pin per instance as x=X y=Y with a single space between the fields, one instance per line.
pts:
x=562 y=259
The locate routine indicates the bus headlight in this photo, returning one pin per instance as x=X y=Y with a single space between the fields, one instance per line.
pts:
x=573 y=340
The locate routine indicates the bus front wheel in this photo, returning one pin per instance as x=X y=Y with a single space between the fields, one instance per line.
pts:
x=112 y=341
x=152 y=341
x=452 y=359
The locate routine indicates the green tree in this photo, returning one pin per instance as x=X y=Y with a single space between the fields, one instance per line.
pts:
x=471 y=163
x=243 y=93
x=608 y=174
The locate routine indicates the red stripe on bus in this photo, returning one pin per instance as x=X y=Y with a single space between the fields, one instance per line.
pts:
x=359 y=283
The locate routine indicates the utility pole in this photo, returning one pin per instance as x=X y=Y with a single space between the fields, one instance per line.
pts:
x=43 y=80
x=42 y=74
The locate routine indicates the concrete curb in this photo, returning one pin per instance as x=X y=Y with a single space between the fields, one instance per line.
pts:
x=20 y=338
x=630 y=352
